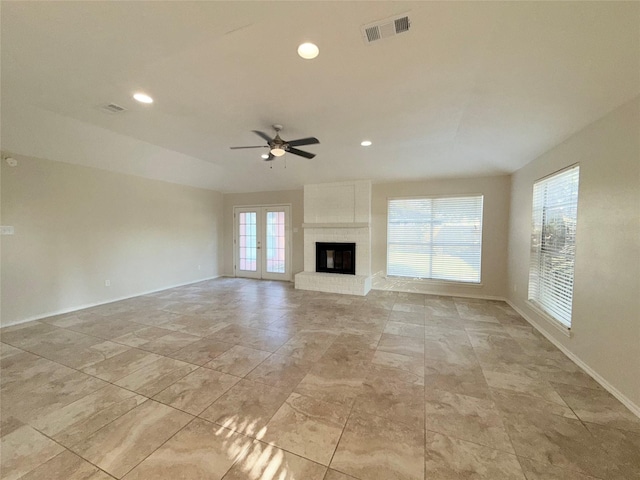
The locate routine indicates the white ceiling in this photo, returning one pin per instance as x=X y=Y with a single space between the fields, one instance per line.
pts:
x=475 y=88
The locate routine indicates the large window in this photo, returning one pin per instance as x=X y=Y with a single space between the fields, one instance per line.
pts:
x=437 y=238
x=553 y=243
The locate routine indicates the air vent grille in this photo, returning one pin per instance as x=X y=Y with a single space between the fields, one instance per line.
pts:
x=386 y=28
x=402 y=25
x=112 y=108
x=372 y=34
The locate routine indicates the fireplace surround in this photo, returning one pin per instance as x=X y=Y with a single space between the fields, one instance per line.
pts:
x=336 y=258
x=337 y=213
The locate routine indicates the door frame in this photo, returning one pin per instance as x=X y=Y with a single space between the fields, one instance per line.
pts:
x=260 y=226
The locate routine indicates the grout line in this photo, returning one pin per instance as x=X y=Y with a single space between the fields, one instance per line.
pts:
x=424 y=406
x=344 y=427
x=159 y=446
x=65 y=448
x=373 y=332
x=253 y=441
x=484 y=445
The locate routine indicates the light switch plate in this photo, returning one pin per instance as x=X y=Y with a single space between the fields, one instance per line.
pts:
x=6 y=230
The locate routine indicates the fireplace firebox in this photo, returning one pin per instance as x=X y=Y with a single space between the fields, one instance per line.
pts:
x=336 y=258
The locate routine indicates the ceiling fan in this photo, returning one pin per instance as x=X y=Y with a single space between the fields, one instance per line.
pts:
x=278 y=147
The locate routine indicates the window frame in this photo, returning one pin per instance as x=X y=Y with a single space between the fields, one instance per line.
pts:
x=537 y=251
x=465 y=283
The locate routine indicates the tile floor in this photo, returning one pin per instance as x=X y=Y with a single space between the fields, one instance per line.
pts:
x=240 y=379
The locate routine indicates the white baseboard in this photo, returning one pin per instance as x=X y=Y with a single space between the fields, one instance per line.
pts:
x=590 y=371
x=440 y=294
x=96 y=304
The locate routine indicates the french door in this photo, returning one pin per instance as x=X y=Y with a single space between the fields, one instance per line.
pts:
x=262 y=242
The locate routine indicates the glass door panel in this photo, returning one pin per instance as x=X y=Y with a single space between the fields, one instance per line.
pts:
x=248 y=244
x=275 y=241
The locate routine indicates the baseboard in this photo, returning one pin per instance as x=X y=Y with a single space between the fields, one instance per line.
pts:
x=291 y=280
x=575 y=359
x=96 y=304
x=440 y=294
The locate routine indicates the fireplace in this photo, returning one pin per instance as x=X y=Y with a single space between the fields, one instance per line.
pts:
x=336 y=258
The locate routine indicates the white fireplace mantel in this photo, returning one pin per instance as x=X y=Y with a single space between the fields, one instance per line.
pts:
x=340 y=213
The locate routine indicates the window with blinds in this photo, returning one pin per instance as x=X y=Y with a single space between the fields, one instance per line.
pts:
x=553 y=243
x=435 y=238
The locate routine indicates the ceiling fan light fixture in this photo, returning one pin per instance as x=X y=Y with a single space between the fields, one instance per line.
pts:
x=365 y=143
x=308 y=50
x=265 y=155
x=277 y=151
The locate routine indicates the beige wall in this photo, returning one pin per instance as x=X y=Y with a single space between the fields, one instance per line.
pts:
x=293 y=197
x=494 y=236
x=606 y=303
x=76 y=227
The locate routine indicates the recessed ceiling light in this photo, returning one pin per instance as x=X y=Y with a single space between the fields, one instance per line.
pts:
x=365 y=143
x=265 y=155
x=142 y=97
x=308 y=51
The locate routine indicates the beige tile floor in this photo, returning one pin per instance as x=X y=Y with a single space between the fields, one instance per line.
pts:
x=241 y=379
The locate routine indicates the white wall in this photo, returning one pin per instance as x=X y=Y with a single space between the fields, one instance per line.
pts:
x=76 y=227
x=293 y=197
x=494 y=234
x=605 y=333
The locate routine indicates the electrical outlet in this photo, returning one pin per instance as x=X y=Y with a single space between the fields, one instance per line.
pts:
x=6 y=230
x=107 y=283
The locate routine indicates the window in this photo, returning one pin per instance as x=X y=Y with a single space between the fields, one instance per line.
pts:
x=553 y=243
x=437 y=238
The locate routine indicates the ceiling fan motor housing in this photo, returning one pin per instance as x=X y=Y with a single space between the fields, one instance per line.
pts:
x=278 y=142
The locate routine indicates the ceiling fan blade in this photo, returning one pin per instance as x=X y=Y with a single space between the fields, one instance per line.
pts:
x=263 y=135
x=302 y=153
x=255 y=146
x=303 y=141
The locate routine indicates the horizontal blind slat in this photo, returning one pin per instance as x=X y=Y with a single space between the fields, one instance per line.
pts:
x=439 y=238
x=551 y=267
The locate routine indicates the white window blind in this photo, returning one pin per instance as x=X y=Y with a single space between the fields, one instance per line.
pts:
x=437 y=238
x=553 y=243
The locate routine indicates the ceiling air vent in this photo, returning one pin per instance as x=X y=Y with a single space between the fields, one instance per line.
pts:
x=112 y=108
x=389 y=27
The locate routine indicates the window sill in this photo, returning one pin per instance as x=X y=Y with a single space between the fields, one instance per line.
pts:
x=549 y=319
